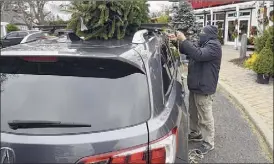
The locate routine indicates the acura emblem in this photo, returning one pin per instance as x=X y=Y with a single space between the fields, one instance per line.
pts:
x=7 y=155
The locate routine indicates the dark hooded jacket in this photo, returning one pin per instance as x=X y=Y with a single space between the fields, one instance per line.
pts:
x=204 y=62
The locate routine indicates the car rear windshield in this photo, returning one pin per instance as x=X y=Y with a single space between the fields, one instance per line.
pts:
x=108 y=94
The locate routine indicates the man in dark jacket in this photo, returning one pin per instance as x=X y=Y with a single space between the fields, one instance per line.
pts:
x=203 y=75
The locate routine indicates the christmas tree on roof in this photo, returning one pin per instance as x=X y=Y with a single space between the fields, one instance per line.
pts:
x=107 y=19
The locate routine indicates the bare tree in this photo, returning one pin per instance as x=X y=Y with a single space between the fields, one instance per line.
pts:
x=37 y=8
x=6 y=5
x=31 y=12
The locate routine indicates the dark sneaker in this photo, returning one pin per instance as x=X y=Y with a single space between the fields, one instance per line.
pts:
x=205 y=148
x=193 y=136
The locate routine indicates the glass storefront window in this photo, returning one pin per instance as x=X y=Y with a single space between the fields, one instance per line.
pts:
x=208 y=17
x=244 y=13
x=219 y=24
x=243 y=27
x=220 y=16
x=231 y=29
x=232 y=14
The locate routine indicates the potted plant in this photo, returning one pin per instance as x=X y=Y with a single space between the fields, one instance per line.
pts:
x=263 y=66
x=253 y=30
x=250 y=40
x=260 y=41
x=249 y=63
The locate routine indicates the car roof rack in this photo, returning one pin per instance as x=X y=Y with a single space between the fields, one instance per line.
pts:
x=50 y=26
x=139 y=36
x=154 y=26
x=71 y=35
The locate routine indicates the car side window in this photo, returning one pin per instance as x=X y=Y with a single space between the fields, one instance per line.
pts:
x=166 y=72
x=22 y=34
x=12 y=35
x=168 y=57
x=34 y=36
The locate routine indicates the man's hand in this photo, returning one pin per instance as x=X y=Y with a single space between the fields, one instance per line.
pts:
x=180 y=36
x=172 y=37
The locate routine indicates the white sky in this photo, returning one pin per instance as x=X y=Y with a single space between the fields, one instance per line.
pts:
x=156 y=5
x=53 y=6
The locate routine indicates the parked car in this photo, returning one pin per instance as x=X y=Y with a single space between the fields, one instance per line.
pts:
x=14 y=38
x=115 y=101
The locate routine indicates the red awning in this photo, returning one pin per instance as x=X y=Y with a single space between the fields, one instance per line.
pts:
x=197 y=4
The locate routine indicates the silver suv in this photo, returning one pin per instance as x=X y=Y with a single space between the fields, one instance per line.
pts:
x=97 y=102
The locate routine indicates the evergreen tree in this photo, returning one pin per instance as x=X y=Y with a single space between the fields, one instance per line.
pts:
x=183 y=18
x=108 y=19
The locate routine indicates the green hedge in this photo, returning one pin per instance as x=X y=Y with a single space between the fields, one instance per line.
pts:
x=264 y=62
x=261 y=41
x=12 y=27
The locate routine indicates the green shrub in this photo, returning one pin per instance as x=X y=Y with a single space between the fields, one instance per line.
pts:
x=264 y=62
x=12 y=27
x=163 y=19
x=270 y=40
x=261 y=41
x=249 y=63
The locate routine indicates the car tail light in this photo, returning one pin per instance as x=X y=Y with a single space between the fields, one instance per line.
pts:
x=162 y=150
x=40 y=58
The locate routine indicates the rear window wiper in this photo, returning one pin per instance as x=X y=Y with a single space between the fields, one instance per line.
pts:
x=26 y=124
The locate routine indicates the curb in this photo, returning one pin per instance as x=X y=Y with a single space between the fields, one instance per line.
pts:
x=253 y=116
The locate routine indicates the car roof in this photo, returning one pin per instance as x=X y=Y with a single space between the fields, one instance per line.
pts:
x=61 y=44
x=122 y=50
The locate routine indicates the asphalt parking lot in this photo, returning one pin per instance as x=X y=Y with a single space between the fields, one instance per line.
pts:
x=236 y=139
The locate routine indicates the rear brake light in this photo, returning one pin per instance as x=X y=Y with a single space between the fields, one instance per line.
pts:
x=160 y=151
x=40 y=59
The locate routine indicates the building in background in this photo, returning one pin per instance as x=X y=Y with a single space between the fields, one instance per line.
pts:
x=231 y=16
